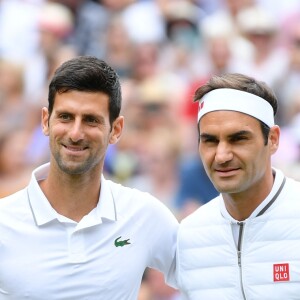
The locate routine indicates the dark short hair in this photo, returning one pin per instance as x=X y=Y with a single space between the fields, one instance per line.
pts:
x=89 y=74
x=244 y=83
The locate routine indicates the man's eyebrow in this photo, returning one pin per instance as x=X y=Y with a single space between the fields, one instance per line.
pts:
x=239 y=133
x=235 y=134
x=91 y=114
x=61 y=111
x=206 y=136
x=95 y=115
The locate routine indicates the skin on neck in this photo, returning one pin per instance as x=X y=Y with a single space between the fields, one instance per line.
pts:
x=241 y=205
x=72 y=196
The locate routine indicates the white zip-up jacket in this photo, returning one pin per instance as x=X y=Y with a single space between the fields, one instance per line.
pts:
x=262 y=264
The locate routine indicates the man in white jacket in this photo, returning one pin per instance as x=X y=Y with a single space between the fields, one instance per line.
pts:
x=245 y=243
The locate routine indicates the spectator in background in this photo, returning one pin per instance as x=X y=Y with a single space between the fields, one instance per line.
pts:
x=287 y=85
x=91 y=21
x=90 y=24
x=55 y=24
x=14 y=110
x=146 y=62
x=158 y=171
x=143 y=20
x=183 y=44
x=118 y=47
x=225 y=18
x=15 y=169
x=269 y=58
x=18 y=29
x=287 y=157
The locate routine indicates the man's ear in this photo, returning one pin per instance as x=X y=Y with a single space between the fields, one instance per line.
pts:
x=45 y=121
x=274 y=136
x=116 y=131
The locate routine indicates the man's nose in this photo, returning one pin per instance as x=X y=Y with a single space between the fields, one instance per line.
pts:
x=76 y=132
x=223 y=153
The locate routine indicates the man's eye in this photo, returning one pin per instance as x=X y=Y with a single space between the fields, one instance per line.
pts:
x=91 y=120
x=209 y=140
x=239 y=138
x=65 y=117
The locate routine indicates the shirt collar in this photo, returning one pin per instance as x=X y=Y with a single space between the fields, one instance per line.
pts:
x=106 y=208
x=44 y=213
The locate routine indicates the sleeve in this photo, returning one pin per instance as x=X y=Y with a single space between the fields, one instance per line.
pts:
x=164 y=227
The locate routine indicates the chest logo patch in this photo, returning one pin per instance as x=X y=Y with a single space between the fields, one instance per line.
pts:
x=121 y=243
x=281 y=272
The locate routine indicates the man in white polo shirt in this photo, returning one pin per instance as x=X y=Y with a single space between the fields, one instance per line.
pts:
x=72 y=234
x=245 y=243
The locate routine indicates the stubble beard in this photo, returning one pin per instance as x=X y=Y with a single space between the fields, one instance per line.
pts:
x=74 y=168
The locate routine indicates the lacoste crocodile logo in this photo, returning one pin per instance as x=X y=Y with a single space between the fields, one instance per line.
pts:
x=121 y=243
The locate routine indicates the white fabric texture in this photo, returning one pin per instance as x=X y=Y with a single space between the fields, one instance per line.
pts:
x=207 y=258
x=47 y=256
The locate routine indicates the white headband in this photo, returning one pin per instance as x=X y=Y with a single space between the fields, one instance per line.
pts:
x=236 y=100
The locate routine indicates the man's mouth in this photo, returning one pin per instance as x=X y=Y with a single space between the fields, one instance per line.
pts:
x=226 y=171
x=75 y=149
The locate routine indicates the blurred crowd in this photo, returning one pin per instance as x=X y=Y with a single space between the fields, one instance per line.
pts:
x=162 y=50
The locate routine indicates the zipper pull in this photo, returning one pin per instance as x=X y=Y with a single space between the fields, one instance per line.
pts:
x=239 y=253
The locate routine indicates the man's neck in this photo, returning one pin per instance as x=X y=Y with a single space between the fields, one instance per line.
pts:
x=72 y=196
x=241 y=205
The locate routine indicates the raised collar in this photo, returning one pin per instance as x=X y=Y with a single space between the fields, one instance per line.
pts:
x=44 y=213
x=276 y=189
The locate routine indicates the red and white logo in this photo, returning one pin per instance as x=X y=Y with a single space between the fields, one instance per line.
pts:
x=201 y=104
x=281 y=272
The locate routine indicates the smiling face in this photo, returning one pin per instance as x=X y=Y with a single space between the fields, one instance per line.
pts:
x=233 y=151
x=79 y=131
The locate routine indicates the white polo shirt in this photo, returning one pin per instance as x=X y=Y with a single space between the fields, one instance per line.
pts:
x=44 y=255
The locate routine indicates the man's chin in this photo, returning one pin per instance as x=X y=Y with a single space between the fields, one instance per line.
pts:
x=227 y=188
x=73 y=168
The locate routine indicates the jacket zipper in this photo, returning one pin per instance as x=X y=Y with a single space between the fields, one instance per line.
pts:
x=241 y=232
x=239 y=254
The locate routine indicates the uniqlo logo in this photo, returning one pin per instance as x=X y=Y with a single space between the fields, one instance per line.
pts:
x=281 y=272
x=201 y=104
